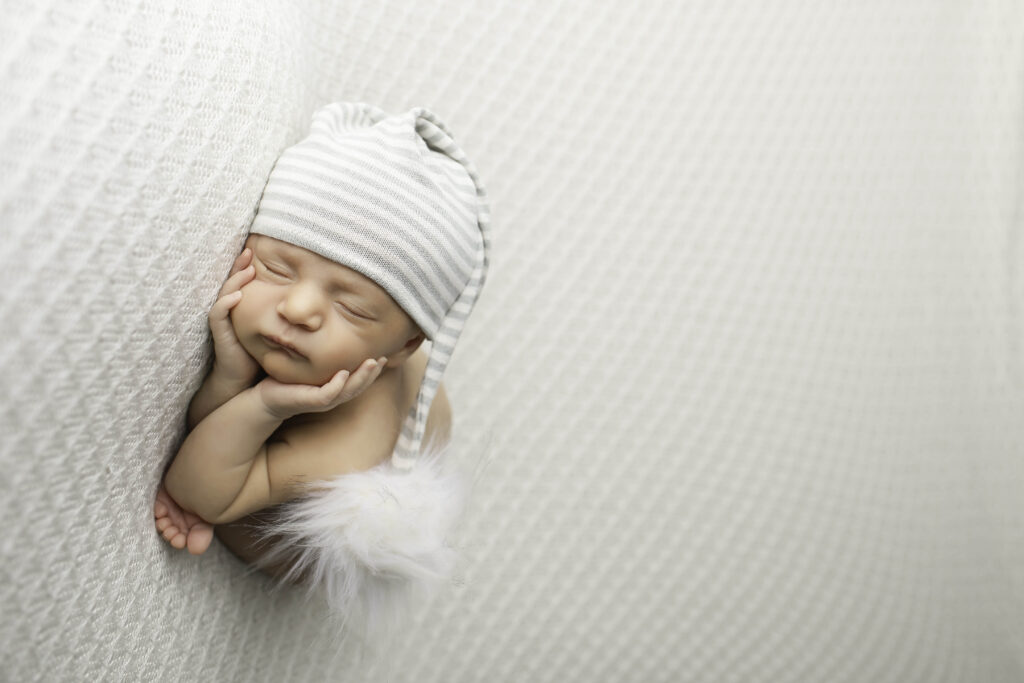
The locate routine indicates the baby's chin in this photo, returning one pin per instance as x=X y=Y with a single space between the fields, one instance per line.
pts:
x=293 y=373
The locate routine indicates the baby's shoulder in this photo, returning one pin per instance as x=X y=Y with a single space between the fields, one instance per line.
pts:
x=354 y=436
x=363 y=432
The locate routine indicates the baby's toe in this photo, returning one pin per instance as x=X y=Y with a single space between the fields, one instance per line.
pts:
x=199 y=539
x=170 y=532
x=179 y=541
x=159 y=510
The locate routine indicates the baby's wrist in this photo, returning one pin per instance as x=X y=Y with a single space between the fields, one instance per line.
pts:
x=225 y=382
x=265 y=406
x=216 y=390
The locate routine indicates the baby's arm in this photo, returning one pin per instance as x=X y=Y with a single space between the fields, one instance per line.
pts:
x=233 y=371
x=176 y=526
x=217 y=389
x=215 y=460
x=221 y=471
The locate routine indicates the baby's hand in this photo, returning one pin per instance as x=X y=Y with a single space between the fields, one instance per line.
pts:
x=230 y=359
x=286 y=400
x=179 y=527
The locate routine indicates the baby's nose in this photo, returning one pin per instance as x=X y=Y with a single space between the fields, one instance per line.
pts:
x=302 y=306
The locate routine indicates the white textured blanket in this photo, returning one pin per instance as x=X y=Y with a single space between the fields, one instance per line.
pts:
x=750 y=356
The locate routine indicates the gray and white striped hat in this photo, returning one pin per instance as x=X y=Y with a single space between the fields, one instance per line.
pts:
x=394 y=198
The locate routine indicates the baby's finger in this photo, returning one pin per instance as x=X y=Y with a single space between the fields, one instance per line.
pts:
x=236 y=281
x=373 y=367
x=360 y=375
x=337 y=382
x=218 y=315
x=366 y=373
x=241 y=261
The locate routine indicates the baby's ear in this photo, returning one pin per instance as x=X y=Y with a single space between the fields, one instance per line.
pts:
x=414 y=343
x=407 y=349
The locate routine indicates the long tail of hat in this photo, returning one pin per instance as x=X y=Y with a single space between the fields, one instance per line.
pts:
x=436 y=135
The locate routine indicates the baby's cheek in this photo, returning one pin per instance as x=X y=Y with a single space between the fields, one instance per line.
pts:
x=250 y=296
x=238 y=312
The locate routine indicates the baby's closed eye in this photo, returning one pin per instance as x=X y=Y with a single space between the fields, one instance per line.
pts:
x=270 y=270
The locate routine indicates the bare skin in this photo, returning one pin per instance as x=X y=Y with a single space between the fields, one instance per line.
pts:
x=389 y=385
x=183 y=529
x=240 y=537
x=180 y=528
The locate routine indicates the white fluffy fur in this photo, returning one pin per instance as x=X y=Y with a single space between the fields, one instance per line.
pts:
x=376 y=541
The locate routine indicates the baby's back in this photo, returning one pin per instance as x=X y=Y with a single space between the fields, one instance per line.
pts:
x=439 y=418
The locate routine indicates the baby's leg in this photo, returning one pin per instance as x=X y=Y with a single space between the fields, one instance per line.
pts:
x=178 y=527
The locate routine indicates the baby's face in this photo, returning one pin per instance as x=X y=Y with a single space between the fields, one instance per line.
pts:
x=334 y=316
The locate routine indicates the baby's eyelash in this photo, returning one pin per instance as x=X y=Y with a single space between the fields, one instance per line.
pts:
x=271 y=270
x=358 y=315
x=340 y=303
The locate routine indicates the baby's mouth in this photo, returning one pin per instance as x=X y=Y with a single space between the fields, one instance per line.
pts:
x=272 y=342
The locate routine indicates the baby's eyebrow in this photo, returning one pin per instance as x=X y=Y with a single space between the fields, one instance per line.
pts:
x=352 y=285
x=345 y=281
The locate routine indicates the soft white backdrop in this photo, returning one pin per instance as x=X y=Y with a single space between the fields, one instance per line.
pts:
x=749 y=358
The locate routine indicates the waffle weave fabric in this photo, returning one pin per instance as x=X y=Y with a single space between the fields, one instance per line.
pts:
x=749 y=360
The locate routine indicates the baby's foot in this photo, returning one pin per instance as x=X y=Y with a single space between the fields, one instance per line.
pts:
x=178 y=527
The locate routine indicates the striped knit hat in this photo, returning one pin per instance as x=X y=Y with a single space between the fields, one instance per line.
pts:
x=394 y=198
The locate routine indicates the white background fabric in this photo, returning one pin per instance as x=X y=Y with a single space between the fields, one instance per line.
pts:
x=749 y=357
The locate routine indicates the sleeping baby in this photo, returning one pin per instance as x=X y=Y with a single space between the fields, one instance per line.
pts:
x=317 y=443
x=330 y=427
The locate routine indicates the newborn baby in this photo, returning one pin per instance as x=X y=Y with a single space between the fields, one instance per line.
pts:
x=371 y=236
x=307 y=323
